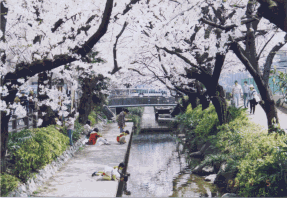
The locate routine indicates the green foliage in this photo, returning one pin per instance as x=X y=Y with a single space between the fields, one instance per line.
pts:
x=8 y=184
x=136 y=111
x=259 y=159
x=77 y=131
x=34 y=153
x=281 y=83
x=255 y=153
x=15 y=140
x=212 y=159
x=206 y=122
x=135 y=114
x=92 y=117
x=237 y=113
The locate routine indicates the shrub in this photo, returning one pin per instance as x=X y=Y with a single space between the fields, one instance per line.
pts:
x=260 y=165
x=77 y=131
x=135 y=114
x=136 y=111
x=8 y=184
x=258 y=159
x=46 y=144
x=92 y=117
x=15 y=140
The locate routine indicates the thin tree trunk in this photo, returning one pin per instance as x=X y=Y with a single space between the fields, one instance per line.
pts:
x=267 y=102
x=4 y=139
x=85 y=106
x=220 y=105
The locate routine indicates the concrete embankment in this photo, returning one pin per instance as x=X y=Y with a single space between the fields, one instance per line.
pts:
x=74 y=178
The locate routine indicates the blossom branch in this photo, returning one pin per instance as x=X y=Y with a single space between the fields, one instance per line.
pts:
x=116 y=67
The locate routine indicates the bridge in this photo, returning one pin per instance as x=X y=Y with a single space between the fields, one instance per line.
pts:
x=156 y=114
x=141 y=101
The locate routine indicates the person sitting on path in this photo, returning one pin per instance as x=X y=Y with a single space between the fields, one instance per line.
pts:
x=245 y=94
x=70 y=128
x=87 y=128
x=121 y=119
x=96 y=138
x=251 y=96
x=236 y=91
x=115 y=173
x=121 y=137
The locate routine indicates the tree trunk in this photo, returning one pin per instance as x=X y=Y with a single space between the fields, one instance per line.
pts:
x=85 y=106
x=220 y=105
x=267 y=103
x=4 y=139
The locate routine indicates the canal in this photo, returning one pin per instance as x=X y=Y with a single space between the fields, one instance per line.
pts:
x=158 y=168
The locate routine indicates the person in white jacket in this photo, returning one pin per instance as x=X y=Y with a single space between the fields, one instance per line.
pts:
x=236 y=92
x=70 y=128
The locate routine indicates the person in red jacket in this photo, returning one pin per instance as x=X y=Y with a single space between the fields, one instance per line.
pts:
x=96 y=138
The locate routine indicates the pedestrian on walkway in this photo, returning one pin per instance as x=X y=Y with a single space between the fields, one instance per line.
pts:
x=236 y=92
x=70 y=128
x=121 y=120
x=245 y=94
x=251 y=96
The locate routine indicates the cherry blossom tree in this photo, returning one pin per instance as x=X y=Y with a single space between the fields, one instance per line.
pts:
x=39 y=36
x=176 y=48
x=274 y=11
x=196 y=34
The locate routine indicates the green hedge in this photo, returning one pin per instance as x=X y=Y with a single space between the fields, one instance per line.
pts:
x=44 y=145
x=92 y=117
x=259 y=159
x=135 y=114
x=8 y=184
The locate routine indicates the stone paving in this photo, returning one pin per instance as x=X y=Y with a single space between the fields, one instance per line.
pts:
x=74 y=178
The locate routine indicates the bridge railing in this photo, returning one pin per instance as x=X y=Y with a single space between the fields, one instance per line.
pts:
x=141 y=100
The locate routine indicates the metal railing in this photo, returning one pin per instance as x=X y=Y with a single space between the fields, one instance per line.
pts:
x=15 y=122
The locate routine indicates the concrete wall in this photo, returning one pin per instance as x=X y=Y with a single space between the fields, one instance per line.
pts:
x=276 y=97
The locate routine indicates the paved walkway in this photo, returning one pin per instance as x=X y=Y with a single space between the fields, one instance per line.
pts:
x=260 y=116
x=74 y=178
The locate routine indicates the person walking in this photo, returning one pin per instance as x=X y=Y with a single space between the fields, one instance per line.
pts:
x=70 y=128
x=245 y=94
x=121 y=120
x=236 y=92
x=252 y=98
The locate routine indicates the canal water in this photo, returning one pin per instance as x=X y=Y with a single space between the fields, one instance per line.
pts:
x=158 y=168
